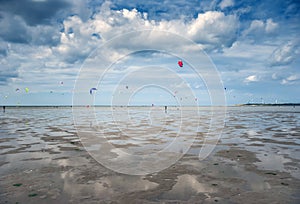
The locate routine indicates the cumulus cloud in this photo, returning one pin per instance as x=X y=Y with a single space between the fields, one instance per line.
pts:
x=251 y=78
x=79 y=35
x=284 y=54
x=167 y=9
x=212 y=30
x=77 y=40
x=71 y=39
x=258 y=29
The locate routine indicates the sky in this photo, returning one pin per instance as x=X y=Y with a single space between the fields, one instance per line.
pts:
x=46 y=44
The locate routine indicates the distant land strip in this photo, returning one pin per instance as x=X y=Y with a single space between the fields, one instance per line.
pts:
x=70 y=106
x=270 y=104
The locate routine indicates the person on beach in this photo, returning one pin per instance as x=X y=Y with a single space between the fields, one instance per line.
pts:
x=3 y=109
x=166 y=107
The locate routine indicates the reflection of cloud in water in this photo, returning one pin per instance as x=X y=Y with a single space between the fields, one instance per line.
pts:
x=277 y=162
x=104 y=187
x=186 y=187
x=271 y=162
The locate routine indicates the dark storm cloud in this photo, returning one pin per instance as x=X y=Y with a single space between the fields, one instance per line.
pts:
x=3 y=49
x=13 y=29
x=32 y=22
x=34 y=12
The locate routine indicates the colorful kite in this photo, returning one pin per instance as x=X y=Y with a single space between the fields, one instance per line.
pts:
x=180 y=63
x=92 y=89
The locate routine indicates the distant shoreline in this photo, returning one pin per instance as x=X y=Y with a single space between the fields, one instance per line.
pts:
x=270 y=104
x=140 y=106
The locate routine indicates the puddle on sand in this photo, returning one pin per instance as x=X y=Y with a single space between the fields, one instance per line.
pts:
x=271 y=162
x=103 y=188
x=228 y=174
x=186 y=187
x=277 y=162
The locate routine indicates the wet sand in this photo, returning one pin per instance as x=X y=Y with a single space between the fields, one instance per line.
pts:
x=255 y=161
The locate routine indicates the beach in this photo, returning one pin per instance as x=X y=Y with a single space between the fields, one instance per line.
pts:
x=256 y=159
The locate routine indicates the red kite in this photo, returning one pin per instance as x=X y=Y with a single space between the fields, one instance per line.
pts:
x=180 y=63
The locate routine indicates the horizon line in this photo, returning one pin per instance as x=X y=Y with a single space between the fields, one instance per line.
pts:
x=244 y=104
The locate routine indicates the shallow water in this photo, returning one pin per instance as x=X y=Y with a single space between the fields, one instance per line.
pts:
x=257 y=154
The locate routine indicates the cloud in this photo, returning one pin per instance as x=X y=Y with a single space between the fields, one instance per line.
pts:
x=258 y=29
x=270 y=26
x=37 y=22
x=284 y=54
x=15 y=30
x=42 y=36
x=275 y=76
x=213 y=28
x=168 y=9
x=292 y=79
x=34 y=12
x=76 y=41
x=83 y=8
x=8 y=70
x=226 y=3
x=3 y=49
x=252 y=78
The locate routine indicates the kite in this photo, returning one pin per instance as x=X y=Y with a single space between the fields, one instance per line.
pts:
x=27 y=90
x=92 y=89
x=180 y=63
x=17 y=89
